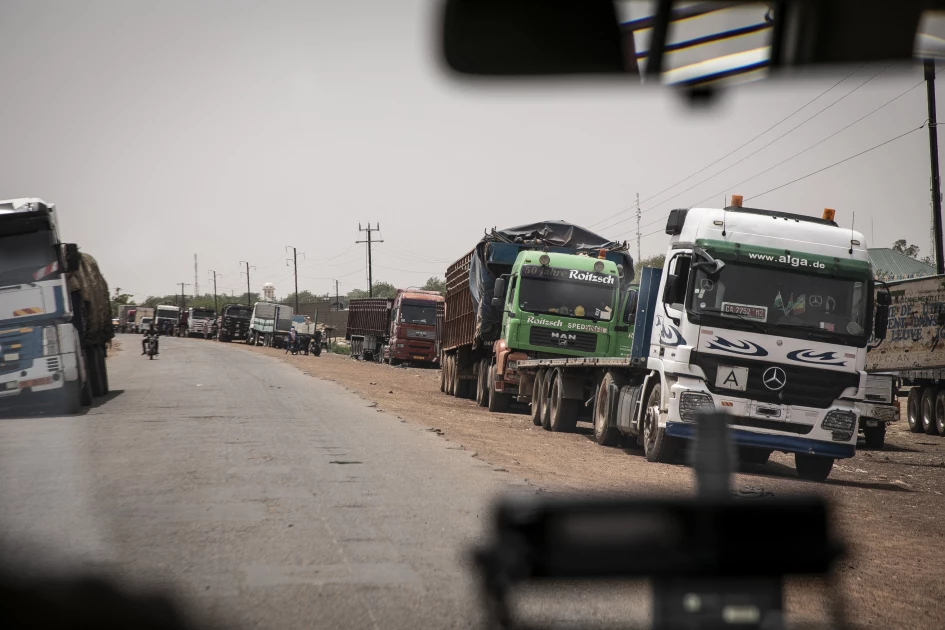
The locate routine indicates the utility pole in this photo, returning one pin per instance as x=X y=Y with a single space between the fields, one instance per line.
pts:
x=337 y=303
x=370 y=273
x=215 y=274
x=295 y=271
x=183 y=298
x=933 y=155
x=638 y=227
x=249 y=299
x=196 y=278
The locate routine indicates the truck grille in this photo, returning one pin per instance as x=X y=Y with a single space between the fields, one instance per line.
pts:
x=24 y=343
x=566 y=340
x=806 y=387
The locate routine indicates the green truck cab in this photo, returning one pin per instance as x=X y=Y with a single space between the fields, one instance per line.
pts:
x=559 y=305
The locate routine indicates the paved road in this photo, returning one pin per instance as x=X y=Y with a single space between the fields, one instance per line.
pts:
x=259 y=494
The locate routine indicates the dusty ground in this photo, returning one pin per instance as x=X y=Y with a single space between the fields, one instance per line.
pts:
x=888 y=504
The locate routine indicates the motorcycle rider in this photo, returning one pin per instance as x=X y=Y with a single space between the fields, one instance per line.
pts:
x=150 y=331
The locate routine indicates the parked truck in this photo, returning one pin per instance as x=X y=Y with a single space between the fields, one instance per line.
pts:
x=913 y=354
x=167 y=318
x=368 y=325
x=269 y=324
x=199 y=318
x=126 y=317
x=398 y=330
x=55 y=314
x=234 y=322
x=761 y=314
x=547 y=289
x=144 y=315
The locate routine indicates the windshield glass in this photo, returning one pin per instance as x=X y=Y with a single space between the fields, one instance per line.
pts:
x=202 y=313
x=417 y=314
x=25 y=258
x=785 y=299
x=166 y=313
x=568 y=298
x=239 y=311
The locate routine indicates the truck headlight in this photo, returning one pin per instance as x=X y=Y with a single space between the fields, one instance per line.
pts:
x=839 y=420
x=691 y=404
x=50 y=341
x=512 y=365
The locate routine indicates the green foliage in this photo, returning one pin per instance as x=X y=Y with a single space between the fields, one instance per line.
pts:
x=653 y=261
x=119 y=300
x=435 y=284
x=381 y=289
x=304 y=297
x=339 y=348
x=902 y=247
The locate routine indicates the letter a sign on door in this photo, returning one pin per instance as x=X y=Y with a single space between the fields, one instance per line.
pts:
x=728 y=377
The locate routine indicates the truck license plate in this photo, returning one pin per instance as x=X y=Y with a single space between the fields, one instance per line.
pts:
x=872 y=423
x=418 y=358
x=728 y=377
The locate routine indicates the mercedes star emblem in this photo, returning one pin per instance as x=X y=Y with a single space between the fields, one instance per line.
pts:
x=774 y=378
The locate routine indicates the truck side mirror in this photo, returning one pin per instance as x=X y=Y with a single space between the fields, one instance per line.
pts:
x=69 y=258
x=881 y=324
x=497 y=302
x=499 y=290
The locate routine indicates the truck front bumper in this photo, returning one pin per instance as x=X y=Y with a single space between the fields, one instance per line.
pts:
x=45 y=374
x=788 y=444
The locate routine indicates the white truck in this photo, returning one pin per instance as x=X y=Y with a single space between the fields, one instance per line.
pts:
x=197 y=320
x=55 y=316
x=269 y=324
x=761 y=314
x=166 y=318
x=143 y=318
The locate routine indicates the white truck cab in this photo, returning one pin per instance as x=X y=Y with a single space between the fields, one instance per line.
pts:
x=766 y=316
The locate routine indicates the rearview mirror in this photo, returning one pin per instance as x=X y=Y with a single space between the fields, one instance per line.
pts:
x=881 y=325
x=70 y=259
x=499 y=288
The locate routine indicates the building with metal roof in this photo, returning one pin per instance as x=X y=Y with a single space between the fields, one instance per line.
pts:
x=888 y=264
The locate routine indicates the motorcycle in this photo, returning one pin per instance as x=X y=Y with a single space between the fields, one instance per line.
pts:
x=151 y=346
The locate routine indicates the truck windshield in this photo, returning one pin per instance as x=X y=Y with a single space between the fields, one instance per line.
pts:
x=167 y=313
x=202 y=313
x=26 y=258
x=775 y=300
x=417 y=314
x=242 y=312
x=569 y=298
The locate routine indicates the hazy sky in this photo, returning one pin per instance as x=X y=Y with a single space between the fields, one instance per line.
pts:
x=232 y=129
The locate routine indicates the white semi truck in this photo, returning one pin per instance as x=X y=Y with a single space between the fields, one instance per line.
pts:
x=761 y=314
x=55 y=316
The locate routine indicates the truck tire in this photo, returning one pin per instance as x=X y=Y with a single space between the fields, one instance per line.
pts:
x=812 y=467
x=605 y=412
x=537 y=403
x=442 y=376
x=563 y=410
x=93 y=368
x=499 y=402
x=875 y=436
x=754 y=456
x=482 y=384
x=914 y=409
x=940 y=412
x=103 y=371
x=928 y=411
x=544 y=394
x=85 y=396
x=450 y=375
x=657 y=446
x=69 y=399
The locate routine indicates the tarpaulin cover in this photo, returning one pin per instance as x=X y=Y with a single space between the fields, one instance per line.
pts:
x=497 y=251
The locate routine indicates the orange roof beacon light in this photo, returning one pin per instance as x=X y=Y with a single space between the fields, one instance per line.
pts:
x=829 y=213
x=602 y=253
x=737 y=201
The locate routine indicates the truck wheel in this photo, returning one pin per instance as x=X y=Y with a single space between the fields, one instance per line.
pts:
x=812 y=467
x=482 y=384
x=536 y=398
x=442 y=376
x=914 y=409
x=605 y=412
x=69 y=398
x=657 y=446
x=463 y=386
x=875 y=436
x=754 y=456
x=93 y=367
x=103 y=371
x=940 y=412
x=86 y=392
x=499 y=402
x=544 y=394
x=928 y=411
x=563 y=410
x=450 y=374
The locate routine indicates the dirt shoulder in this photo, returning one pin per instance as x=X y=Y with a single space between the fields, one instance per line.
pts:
x=888 y=504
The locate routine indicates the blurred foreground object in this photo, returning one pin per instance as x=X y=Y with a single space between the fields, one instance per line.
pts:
x=714 y=561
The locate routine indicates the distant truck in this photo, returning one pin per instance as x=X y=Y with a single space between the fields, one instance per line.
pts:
x=913 y=354
x=234 y=322
x=197 y=319
x=166 y=317
x=398 y=330
x=55 y=314
x=144 y=315
x=269 y=324
x=126 y=317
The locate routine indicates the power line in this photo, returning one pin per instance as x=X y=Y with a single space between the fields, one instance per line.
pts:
x=821 y=170
x=736 y=149
x=813 y=145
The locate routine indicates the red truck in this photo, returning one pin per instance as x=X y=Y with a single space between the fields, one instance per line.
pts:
x=399 y=330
